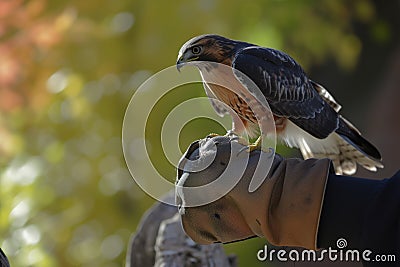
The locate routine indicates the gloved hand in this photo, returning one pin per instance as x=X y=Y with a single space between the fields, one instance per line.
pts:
x=285 y=209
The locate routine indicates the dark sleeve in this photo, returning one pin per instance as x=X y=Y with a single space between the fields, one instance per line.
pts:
x=365 y=213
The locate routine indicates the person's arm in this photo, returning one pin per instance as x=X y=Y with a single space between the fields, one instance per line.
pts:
x=363 y=212
x=285 y=209
x=300 y=203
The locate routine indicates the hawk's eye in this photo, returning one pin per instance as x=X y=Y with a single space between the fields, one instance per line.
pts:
x=196 y=50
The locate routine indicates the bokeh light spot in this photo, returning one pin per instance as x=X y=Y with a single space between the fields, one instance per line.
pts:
x=122 y=22
x=57 y=82
x=112 y=246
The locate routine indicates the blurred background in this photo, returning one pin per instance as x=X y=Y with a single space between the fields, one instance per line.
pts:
x=69 y=68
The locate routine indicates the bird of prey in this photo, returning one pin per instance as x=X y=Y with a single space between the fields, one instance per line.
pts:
x=305 y=113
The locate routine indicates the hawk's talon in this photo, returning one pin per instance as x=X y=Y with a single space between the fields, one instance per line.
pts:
x=245 y=148
x=236 y=138
x=271 y=152
x=231 y=134
x=256 y=145
x=211 y=135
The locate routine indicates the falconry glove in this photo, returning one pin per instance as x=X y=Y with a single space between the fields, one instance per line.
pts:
x=285 y=209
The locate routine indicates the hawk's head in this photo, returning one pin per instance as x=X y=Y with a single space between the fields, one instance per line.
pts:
x=209 y=47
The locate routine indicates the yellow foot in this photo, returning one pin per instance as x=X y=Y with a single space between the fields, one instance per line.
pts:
x=211 y=135
x=234 y=136
x=256 y=145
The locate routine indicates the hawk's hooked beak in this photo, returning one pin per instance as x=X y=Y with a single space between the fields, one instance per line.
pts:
x=182 y=60
x=179 y=63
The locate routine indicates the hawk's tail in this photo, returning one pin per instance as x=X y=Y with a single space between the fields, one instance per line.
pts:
x=345 y=162
x=350 y=133
x=346 y=147
x=356 y=149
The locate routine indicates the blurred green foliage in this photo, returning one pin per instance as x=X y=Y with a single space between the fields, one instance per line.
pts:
x=67 y=72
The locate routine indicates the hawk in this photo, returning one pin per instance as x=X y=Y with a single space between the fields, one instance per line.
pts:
x=305 y=113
